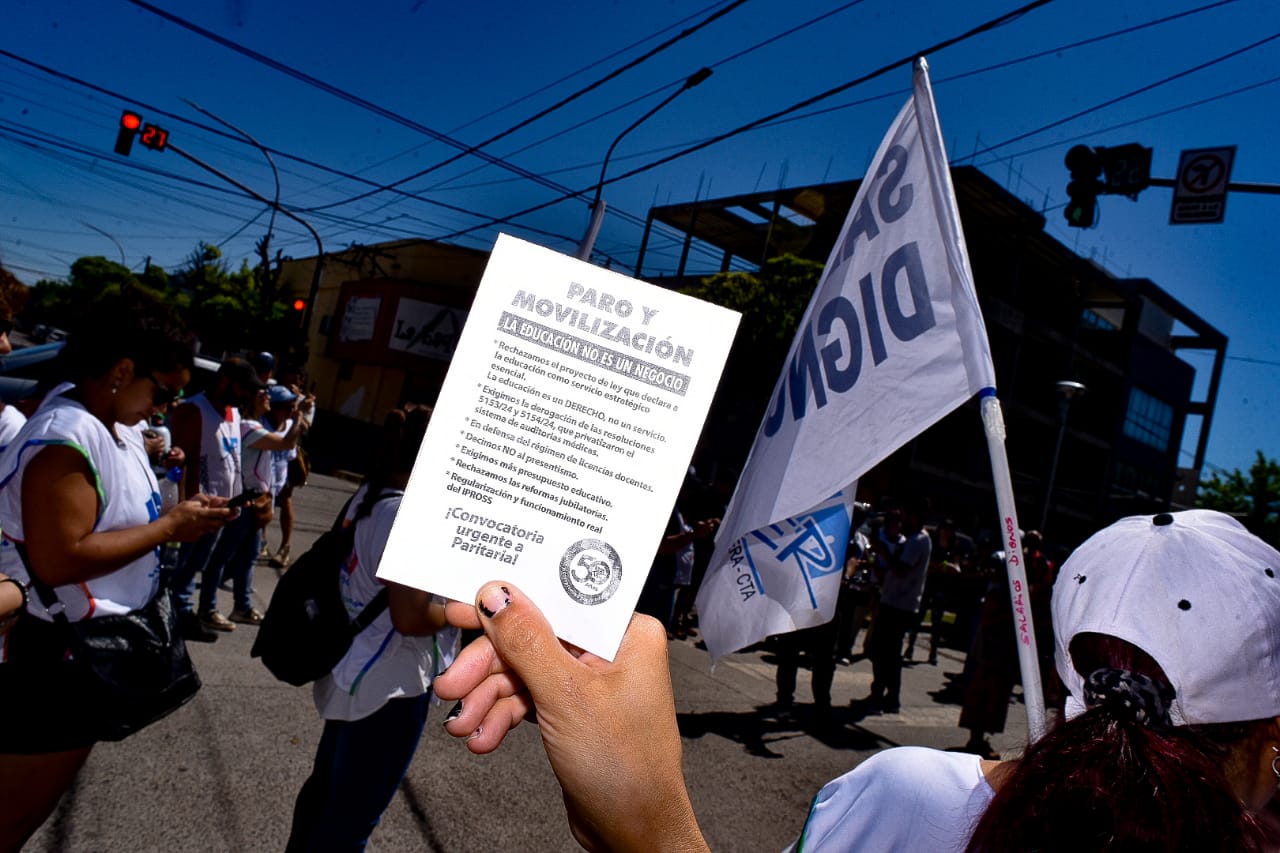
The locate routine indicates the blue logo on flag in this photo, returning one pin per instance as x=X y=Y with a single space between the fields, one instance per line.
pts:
x=812 y=544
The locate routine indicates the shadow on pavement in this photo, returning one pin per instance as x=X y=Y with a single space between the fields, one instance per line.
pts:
x=769 y=724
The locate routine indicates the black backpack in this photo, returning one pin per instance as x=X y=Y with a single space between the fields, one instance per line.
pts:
x=306 y=631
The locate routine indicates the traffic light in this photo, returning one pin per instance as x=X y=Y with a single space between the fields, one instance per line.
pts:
x=1082 y=192
x=1127 y=169
x=299 y=304
x=129 y=124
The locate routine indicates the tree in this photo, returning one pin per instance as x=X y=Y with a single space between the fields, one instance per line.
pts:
x=231 y=311
x=58 y=303
x=772 y=302
x=1253 y=498
x=227 y=311
x=13 y=294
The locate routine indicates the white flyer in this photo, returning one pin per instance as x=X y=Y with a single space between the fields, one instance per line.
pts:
x=560 y=440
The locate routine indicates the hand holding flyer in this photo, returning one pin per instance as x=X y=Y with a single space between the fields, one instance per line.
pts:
x=560 y=439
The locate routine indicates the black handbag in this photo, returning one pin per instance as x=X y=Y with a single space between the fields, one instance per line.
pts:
x=124 y=670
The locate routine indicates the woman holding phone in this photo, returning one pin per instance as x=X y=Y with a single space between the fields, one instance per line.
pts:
x=80 y=512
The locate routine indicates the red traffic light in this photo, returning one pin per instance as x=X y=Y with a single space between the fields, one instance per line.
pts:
x=129 y=124
x=299 y=304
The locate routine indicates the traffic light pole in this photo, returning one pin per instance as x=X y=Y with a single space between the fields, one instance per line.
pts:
x=1266 y=189
x=1123 y=170
x=274 y=205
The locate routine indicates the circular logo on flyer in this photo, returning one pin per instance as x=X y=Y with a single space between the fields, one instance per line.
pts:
x=590 y=571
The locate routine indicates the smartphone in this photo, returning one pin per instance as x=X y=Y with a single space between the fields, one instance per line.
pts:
x=245 y=497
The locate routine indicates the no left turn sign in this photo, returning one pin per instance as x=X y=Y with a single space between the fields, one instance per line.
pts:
x=1200 y=195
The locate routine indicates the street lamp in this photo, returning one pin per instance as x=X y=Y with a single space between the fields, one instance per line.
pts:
x=275 y=204
x=123 y=262
x=598 y=206
x=1067 y=392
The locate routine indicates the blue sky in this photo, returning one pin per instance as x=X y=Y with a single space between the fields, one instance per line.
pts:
x=393 y=82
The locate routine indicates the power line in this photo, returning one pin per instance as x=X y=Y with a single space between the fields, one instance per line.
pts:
x=219 y=132
x=994 y=67
x=1263 y=361
x=717 y=64
x=1127 y=95
x=350 y=98
x=240 y=142
x=882 y=70
x=635 y=219
x=589 y=66
x=938 y=82
x=1040 y=54
x=1254 y=360
x=564 y=191
x=1180 y=108
x=565 y=101
x=522 y=98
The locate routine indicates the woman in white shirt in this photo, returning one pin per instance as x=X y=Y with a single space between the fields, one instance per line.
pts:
x=77 y=494
x=375 y=700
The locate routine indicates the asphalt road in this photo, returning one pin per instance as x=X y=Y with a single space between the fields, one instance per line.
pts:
x=221 y=773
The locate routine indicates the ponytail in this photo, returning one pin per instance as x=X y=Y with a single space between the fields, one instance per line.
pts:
x=1120 y=776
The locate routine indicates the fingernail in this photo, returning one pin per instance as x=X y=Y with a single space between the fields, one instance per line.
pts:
x=495 y=598
x=454 y=713
x=476 y=733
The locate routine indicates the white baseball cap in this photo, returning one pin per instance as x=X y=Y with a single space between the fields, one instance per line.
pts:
x=1195 y=591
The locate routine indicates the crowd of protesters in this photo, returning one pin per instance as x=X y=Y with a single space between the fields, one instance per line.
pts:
x=911 y=577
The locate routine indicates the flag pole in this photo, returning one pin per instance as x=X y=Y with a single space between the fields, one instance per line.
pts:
x=1019 y=590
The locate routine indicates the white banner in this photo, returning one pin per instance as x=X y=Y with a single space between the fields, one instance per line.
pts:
x=891 y=342
x=427 y=329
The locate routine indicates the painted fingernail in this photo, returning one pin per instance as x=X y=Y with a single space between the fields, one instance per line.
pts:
x=454 y=713
x=495 y=598
x=479 y=730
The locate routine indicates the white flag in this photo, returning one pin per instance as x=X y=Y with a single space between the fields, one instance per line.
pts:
x=891 y=342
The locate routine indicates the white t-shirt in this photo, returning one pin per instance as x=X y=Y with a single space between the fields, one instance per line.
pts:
x=129 y=494
x=903 y=800
x=280 y=458
x=904 y=591
x=219 y=449
x=255 y=467
x=382 y=664
x=11 y=420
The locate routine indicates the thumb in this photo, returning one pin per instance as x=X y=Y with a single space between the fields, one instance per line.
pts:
x=522 y=637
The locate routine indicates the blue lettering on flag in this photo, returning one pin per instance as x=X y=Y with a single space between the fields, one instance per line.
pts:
x=812 y=544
